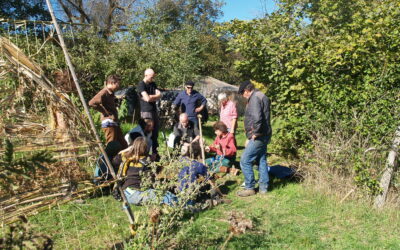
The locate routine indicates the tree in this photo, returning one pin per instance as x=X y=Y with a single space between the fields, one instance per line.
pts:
x=105 y=15
x=24 y=10
x=322 y=60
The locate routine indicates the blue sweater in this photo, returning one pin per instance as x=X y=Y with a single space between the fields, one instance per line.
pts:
x=189 y=174
x=190 y=102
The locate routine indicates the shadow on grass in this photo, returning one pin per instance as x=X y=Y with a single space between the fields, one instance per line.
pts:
x=277 y=182
x=228 y=186
x=208 y=132
x=251 y=239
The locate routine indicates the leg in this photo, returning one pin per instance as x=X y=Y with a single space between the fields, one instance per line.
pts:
x=263 y=169
x=108 y=134
x=170 y=199
x=250 y=154
x=195 y=121
x=156 y=121
x=120 y=137
x=155 y=132
x=115 y=134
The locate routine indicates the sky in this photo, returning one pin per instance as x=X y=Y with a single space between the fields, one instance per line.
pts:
x=246 y=9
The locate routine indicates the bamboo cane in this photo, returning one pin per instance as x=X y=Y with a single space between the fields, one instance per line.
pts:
x=165 y=138
x=45 y=205
x=201 y=141
x=126 y=206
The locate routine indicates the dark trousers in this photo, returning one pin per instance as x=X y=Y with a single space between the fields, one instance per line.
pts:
x=154 y=116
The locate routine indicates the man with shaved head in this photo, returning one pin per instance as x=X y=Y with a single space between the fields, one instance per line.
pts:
x=149 y=95
x=186 y=132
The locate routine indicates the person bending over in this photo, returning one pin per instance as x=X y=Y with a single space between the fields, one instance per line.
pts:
x=185 y=134
x=224 y=147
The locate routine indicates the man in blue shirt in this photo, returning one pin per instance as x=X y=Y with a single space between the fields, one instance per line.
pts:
x=190 y=101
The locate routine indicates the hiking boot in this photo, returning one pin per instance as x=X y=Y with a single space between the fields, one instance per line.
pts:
x=226 y=201
x=262 y=191
x=246 y=192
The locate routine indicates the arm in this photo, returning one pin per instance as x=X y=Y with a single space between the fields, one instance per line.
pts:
x=212 y=147
x=234 y=115
x=233 y=125
x=177 y=101
x=197 y=134
x=257 y=117
x=230 y=149
x=196 y=139
x=97 y=104
x=203 y=103
x=151 y=98
x=176 y=131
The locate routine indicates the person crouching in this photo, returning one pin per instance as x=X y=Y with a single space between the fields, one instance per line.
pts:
x=224 y=146
x=134 y=168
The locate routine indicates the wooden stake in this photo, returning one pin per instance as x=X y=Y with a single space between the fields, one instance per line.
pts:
x=201 y=141
x=391 y=165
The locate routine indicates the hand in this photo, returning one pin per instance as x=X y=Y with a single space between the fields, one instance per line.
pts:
x=198 y=110
x=253 y=137
x=112 y=117
x=218 y=147
x=207 y=149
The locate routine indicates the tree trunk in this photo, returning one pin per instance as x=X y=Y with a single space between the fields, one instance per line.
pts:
x=391 y=165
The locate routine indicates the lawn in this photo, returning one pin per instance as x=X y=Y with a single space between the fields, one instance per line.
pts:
x=291 y=215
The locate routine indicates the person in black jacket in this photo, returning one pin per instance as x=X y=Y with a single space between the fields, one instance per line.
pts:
x=186 y=134
x=258 y=130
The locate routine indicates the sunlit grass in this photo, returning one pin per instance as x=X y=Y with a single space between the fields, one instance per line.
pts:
x=290 y=216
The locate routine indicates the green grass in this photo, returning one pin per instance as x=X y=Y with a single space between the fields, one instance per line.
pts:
x=290 y=216
x=296 y=218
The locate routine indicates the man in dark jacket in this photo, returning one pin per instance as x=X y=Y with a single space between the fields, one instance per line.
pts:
x=258 y=132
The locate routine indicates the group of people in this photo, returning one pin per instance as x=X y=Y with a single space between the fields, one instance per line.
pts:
x=141 y=143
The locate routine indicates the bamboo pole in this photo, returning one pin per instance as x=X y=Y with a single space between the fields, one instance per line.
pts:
x=126 y=206
x=45 y=205
x=201 y=141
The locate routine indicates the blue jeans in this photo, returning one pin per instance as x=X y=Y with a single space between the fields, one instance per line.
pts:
x=256 y=150
x=137 y=197
x=195 y=121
